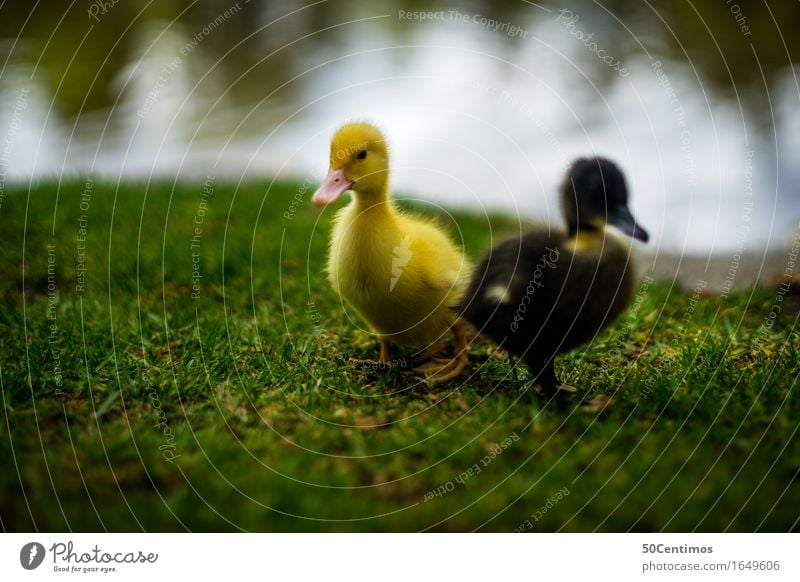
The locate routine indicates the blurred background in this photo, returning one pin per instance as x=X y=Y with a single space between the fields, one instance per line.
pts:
x=484 y=103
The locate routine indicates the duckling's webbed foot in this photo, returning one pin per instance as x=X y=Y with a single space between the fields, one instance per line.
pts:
x=448 y=369
x=596 y=403
x=428 y=353
x=384 y=361
x=545 y=375
x=552 y=387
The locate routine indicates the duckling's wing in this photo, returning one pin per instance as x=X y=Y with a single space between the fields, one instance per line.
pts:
x=492 y=281
x=439 y=264
x=519 y=274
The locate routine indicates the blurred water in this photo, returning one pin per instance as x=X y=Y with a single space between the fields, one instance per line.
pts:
x=474 y=119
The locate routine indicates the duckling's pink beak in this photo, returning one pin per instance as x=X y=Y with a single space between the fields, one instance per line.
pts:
x=332 y=188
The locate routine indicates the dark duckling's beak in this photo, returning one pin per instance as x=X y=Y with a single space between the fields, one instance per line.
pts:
x=623 y=220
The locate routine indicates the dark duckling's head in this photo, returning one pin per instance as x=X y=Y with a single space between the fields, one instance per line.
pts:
x=593 y=195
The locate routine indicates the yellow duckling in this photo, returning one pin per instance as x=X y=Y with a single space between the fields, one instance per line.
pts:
x=401 y=273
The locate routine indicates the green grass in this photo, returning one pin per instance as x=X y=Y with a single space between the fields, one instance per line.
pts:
x=249 y=389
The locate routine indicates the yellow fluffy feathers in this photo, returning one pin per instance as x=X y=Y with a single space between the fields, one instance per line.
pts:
x=401 y=273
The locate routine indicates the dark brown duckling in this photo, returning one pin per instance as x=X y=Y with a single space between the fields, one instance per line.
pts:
x=546 y=293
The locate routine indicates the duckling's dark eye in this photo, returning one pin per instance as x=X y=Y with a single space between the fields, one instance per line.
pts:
x=362 y=154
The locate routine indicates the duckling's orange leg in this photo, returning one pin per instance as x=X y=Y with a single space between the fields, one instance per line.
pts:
x=384 y=359
x=550 y=382
x=386 y=352
x=452 y=368
x=554 y=388
x=428 y=352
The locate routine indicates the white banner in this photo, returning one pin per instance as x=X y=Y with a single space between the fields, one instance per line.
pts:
x=400 y=557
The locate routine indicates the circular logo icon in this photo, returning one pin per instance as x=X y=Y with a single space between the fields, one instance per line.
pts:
x=31 y=555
